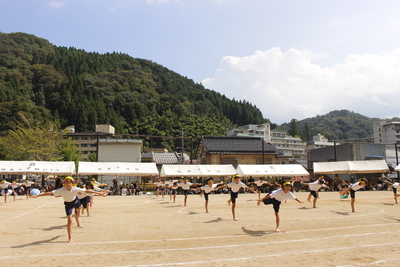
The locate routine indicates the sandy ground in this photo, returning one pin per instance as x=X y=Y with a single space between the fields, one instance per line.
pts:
x=151 y=231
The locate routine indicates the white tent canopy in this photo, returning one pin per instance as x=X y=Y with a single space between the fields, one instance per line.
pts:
x=117 y=168
x=37 y=167
x=185 y=170
x=272 y=170
x=397 y=168
x=217 y=170
x=351 y=167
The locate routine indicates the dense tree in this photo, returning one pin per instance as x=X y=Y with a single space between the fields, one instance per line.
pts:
x=82 y=89
x=69 y=86
x=38 y=144
x=294 y=129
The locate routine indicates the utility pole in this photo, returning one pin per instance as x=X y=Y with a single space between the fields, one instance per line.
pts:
x=183 y=144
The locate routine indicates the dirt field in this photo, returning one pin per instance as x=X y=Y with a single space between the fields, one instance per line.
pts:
x=150 y=231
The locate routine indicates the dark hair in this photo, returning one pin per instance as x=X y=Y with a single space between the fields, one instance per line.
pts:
x=90 y=185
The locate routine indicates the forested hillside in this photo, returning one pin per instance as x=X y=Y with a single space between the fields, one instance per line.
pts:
x=338 y=125
x=43 y=84
x=46 y=85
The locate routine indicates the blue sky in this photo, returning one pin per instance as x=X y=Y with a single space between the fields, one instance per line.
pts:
x=293 y=59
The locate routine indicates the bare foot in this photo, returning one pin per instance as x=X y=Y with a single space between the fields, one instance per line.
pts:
x=277 y=230
x=235 y=219
x=80 y=226
x=229 y=202
x=258 y=202
x=70 y=241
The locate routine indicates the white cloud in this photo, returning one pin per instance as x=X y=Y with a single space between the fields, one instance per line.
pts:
x=57 y=4
x=287 y=85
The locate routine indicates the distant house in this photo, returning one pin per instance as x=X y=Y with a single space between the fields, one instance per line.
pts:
x=289 y=146
x=386 y=132
x=319 y=141
x=87 y=143
x=120 y=150
x=236 y=150
x=346 y=152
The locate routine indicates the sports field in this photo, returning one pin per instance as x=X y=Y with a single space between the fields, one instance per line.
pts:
x=151 y=231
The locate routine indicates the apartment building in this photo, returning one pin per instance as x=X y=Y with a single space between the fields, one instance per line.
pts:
x=87 y=142
x=289 y=146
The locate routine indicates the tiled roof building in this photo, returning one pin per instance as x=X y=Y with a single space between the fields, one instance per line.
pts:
x=236 y=150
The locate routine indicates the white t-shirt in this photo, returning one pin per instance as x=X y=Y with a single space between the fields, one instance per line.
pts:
x=68 y=196
x=315 y=186
x=170 y=182
x=28 y=184
x=207 y=189
x=185 y=186
x=356 y=186
x=14 y=185
x=396 y=185
x=280 y=195
x=4 y=185
x=260 y=183
x=235 y=187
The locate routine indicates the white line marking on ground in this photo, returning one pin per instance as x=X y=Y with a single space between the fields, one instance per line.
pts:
x=25 y=213
x=370 y=263
x=209 y=237
x=214 y=247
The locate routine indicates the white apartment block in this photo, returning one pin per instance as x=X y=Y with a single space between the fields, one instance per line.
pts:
x=254 y=130
x=290 y=146
x=386 y=132
x=319 y=141
x=87 y=143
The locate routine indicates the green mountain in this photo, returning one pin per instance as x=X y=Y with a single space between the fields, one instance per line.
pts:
x=338 y=125
x=43 y=84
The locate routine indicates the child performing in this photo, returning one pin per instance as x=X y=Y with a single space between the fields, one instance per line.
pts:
x=71 y=201
x=276 y=197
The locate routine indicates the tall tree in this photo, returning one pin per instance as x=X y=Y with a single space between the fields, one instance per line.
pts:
x=36 y=143
x=294 y=129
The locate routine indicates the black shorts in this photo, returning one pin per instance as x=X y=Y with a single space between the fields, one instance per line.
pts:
x=234 y=196
x=394 y=190
x=206 y=196
x=352 y=193
x=185 y=192
x=276 y=203
x=85 y=201
x=69 y=206
x=314 y=193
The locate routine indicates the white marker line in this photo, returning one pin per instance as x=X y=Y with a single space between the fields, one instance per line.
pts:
x=206 y=237
x=266 y=256
x=371 y=263
x=25 y=213
x=212 y=247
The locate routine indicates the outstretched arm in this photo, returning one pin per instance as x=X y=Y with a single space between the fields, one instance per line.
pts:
x=386 y=181
x=220 y=187
x=249 y=188
x=298 y=200
x=43 y=194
